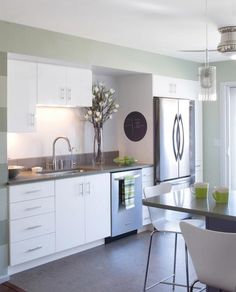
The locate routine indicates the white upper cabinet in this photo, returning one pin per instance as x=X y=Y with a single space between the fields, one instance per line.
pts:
x=64 y=86
x=22 y=96
x=51 y=85
x=79 y=86
x=173 y=87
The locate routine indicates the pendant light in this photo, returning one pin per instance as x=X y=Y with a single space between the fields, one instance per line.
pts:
x=227 y=45
x=207 y=74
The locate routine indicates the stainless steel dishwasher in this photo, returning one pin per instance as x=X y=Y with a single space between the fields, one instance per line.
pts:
x=126 y=203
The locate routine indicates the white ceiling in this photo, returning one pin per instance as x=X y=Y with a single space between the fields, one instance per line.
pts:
x=160 y=26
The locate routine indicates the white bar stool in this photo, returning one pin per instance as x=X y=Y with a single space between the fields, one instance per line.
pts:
x=167 y=226
x=213 y=255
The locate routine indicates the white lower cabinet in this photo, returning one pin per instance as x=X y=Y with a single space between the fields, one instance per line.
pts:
x=97 y=207
x=43 y=223
x=26 y=228
x=32 y=249
x=82 y=210
x=147 y=181
x=70 y=213
x=32 y=221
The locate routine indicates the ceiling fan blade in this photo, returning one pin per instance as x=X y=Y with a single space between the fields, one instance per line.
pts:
x=196 y=51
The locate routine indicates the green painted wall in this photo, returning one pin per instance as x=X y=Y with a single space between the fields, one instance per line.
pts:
x=3 y=168
x=37 y=42
x=226 y=72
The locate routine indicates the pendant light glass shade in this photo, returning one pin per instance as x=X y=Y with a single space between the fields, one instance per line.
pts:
x=207 y=83
x=207 y=73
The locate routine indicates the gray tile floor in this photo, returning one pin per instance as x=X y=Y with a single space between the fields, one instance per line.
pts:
x=115 y=267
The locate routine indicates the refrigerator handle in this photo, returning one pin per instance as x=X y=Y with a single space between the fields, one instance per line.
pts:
x=174 y=137
x=182 y=128
x=178 y=137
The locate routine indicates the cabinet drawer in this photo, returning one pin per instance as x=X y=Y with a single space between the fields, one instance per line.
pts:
x=146 y=184
x=31 y=249
x=146 y=216
x=147 y=171
x=26 y=228
x=147 y=174
x=148 y=180
x=31 y=208
x=31 y=191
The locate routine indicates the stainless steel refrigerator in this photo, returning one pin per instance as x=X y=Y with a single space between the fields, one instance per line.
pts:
x=174 y=140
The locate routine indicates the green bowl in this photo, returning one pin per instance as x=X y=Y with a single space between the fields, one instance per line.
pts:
x=126 y=160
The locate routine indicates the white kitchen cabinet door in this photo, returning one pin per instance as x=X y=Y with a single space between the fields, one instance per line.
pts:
x=22 y=96
x=64 y=86
x=97 y=202
x=164 y=86
x=79 y=87
x=70 y=216
x=51 y=84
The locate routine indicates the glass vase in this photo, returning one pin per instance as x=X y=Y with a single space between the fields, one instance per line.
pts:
x=98 y=157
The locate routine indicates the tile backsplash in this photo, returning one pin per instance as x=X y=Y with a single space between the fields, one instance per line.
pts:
x=78 y=159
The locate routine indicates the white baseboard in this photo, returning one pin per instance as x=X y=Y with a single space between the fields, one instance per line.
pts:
x=4 y=279
x=56 y=256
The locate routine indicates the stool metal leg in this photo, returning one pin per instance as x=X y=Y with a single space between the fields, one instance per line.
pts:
x=175 y=254
x=164 y=281
x=187 y=271
x=192 y=286
x=148 y=259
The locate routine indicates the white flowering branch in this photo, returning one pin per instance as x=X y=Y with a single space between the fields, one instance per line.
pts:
x=103 y=105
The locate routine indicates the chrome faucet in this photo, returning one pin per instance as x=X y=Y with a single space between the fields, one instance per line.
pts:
x=54 y=160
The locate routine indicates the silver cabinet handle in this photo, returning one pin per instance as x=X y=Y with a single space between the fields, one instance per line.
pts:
x=34 y=248
x=32 y=192
x=122 y=178
x=33 y=227
x=69 y=93
x=88 y=188
x=62 y=93
x=81 y=189
x=136 y=175
x=126 y=224
x=32 y=119
x=33 y=208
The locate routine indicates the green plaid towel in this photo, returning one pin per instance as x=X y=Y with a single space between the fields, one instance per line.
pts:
x=128 y=196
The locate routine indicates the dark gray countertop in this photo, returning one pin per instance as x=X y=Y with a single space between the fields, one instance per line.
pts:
x=29 y=176
x=185 y=201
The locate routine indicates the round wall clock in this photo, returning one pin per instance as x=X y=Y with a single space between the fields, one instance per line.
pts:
x=135 y=126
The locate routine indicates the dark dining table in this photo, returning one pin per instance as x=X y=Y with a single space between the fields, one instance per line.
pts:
x=218 y=216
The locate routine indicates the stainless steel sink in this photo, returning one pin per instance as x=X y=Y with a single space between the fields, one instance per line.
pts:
x=62 y=172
